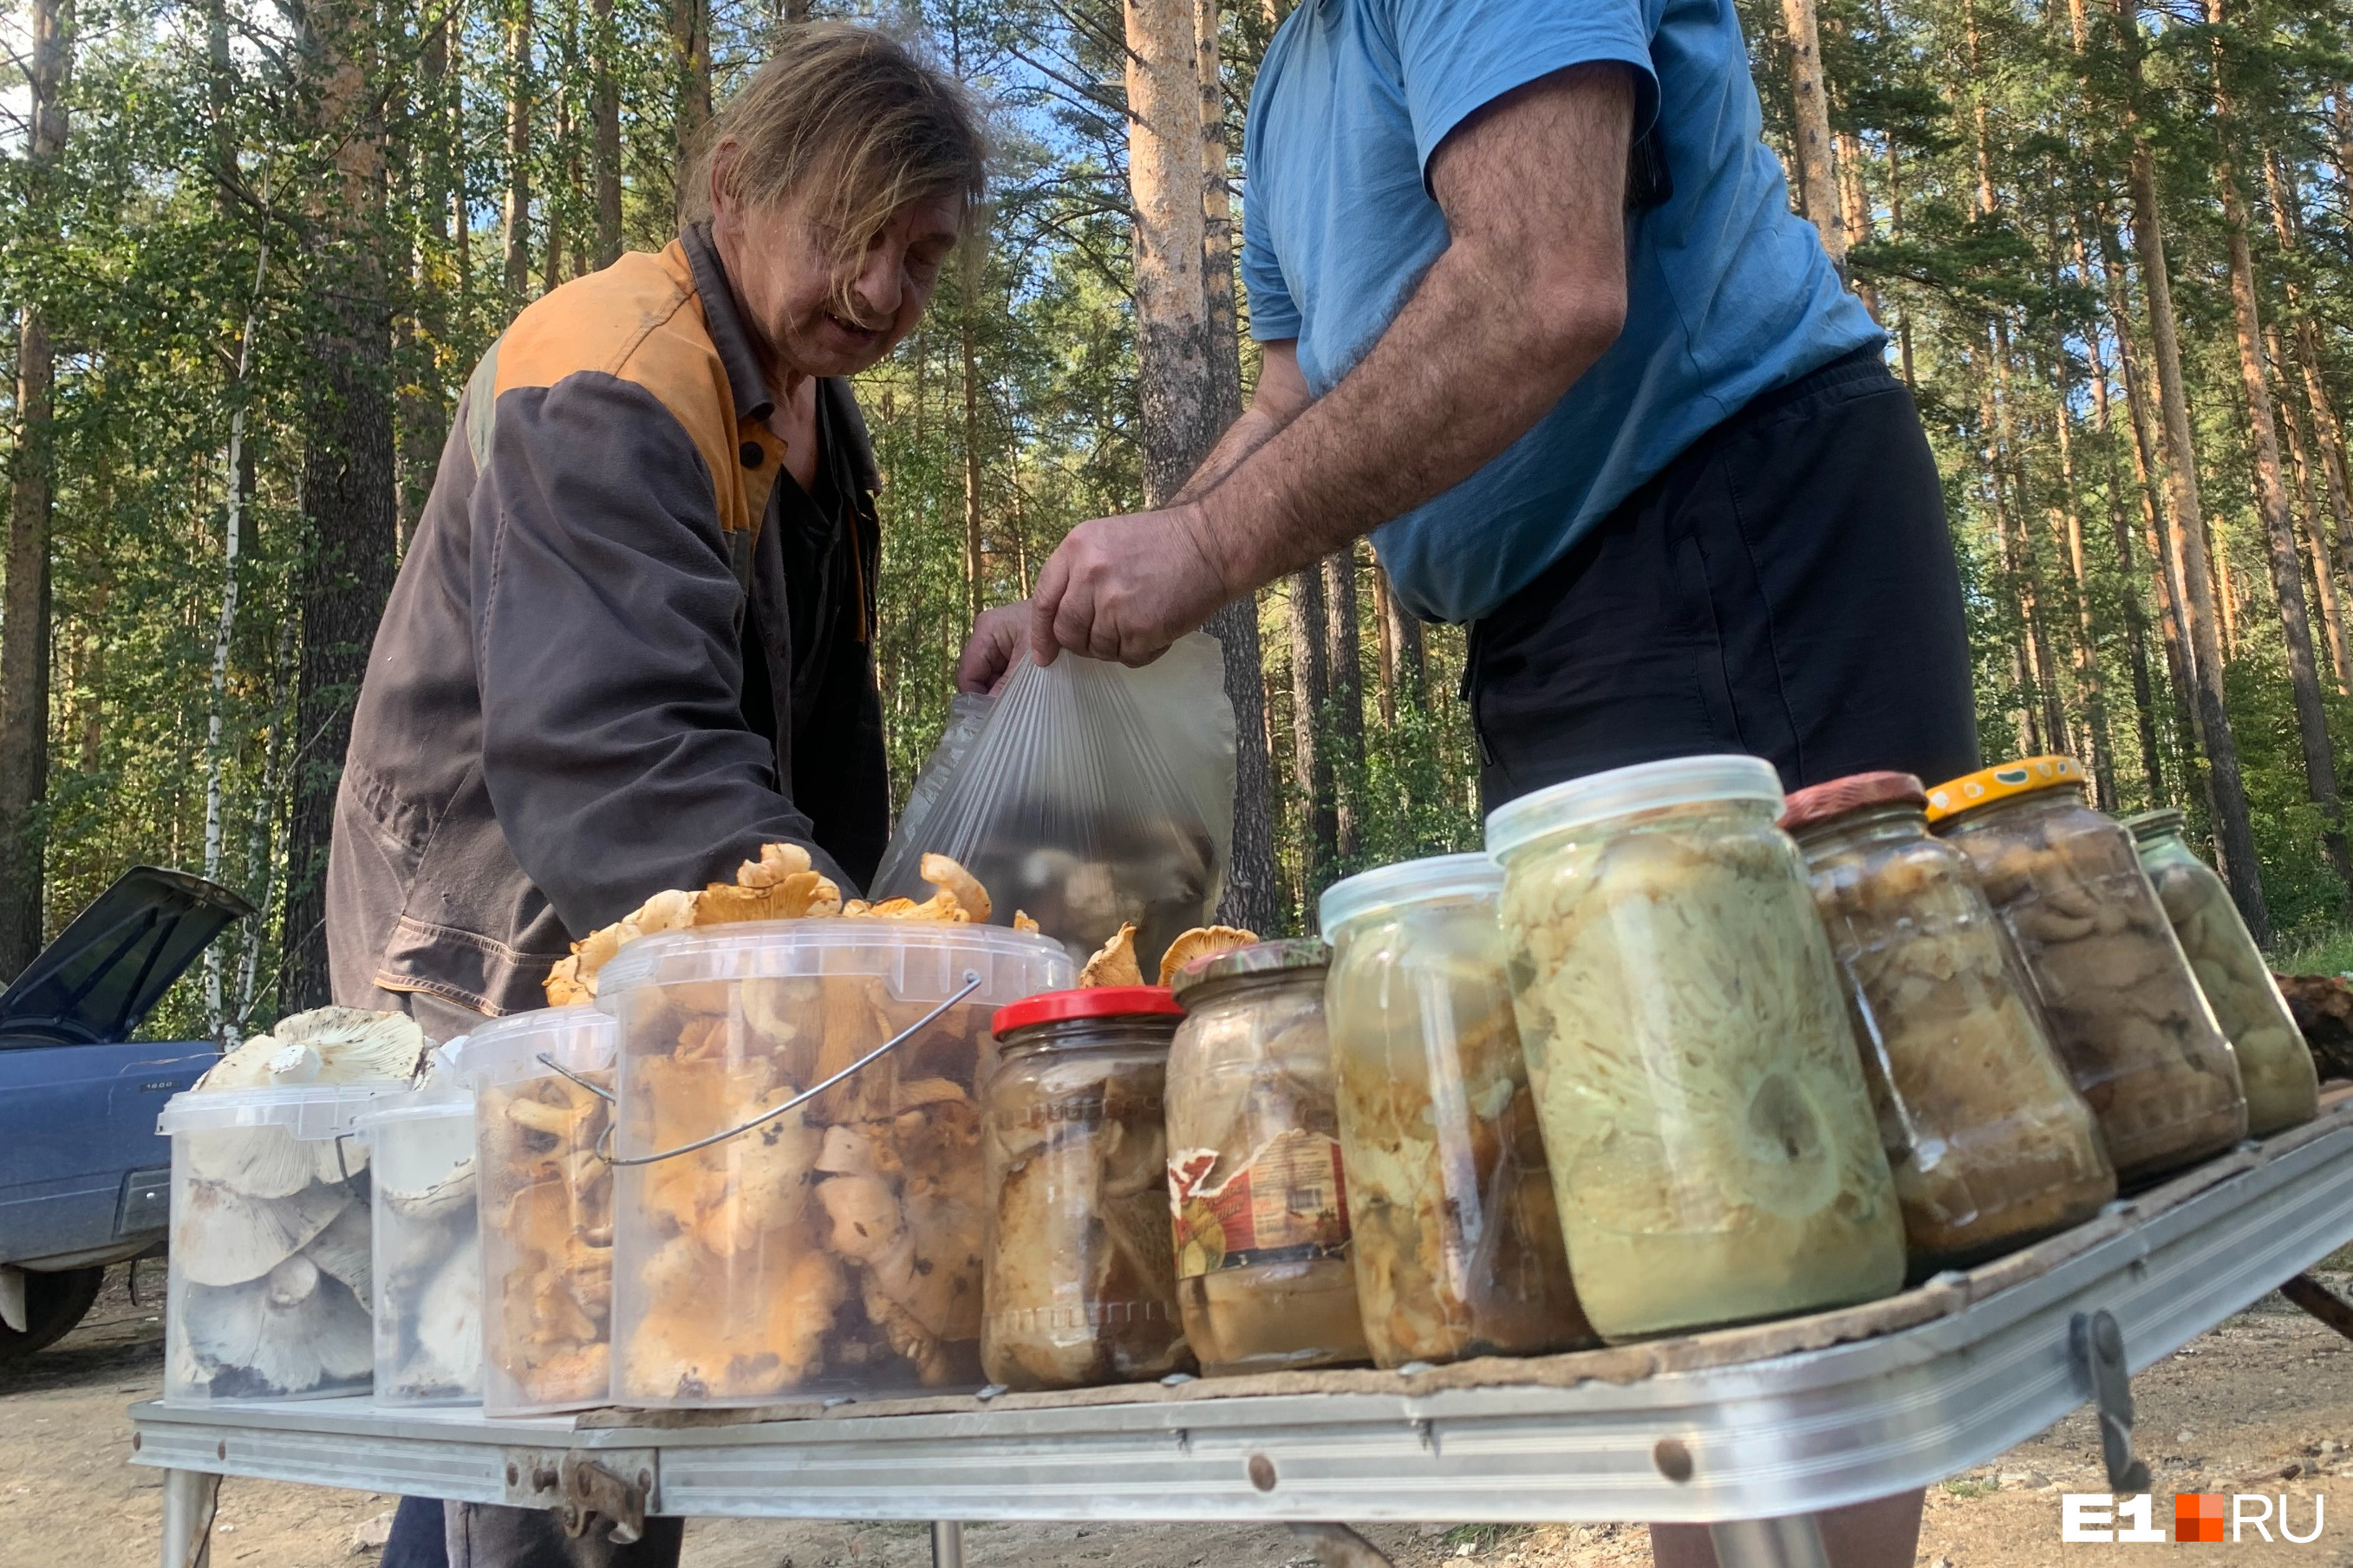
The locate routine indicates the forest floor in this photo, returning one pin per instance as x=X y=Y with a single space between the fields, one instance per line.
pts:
x=2264 y=1401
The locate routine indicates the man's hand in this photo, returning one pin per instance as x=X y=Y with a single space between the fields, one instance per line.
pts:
x=995 y=645
x=1124 y=589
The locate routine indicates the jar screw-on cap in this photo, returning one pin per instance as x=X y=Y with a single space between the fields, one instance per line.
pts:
x=2004 y=781
x=1279 y=957
x=1624 y=792
x=1818 y=804
x=2149 y=825
x=1089 y=1002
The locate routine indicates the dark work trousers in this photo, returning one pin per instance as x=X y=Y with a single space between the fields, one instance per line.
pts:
x=1785 y=588
x=428 y=1534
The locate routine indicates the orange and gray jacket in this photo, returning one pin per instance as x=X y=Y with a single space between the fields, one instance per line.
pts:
x=567 y=709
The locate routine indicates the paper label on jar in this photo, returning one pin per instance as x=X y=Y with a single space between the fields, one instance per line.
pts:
x=1288 y=1203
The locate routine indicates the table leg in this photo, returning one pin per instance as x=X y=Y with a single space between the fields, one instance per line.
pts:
x=1792 y=1542
x=947 y=1543
x=189 y=1500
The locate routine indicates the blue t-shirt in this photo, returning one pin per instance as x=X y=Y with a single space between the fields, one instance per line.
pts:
x=1728 y=292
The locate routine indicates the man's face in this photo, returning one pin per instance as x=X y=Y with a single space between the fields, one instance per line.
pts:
x=782 y=265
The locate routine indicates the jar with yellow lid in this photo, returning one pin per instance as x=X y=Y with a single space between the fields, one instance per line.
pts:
x=2122 y=1005
x=2275 y=1064
x=1256 y=1193
x=1990 y=1144
x=1456 y=1238
x=1711 y=1140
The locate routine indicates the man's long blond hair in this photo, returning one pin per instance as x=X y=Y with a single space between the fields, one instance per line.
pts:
x=847 y=115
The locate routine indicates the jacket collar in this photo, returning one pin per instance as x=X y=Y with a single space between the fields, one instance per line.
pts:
x=744 y=381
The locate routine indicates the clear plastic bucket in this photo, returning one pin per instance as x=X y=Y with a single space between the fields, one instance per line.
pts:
x=835 y=1246
x=428 y=1257
x=546 y=1207
x=268 y=1291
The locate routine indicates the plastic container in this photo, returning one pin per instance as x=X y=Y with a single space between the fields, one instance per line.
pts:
x=1711 y=1140
x=1453 y=1232
x=2276 y=1067
x=2136 y=1036
x=1255 y=1186
x=1081 y=1284
x=835 y=1247
x=267 y=1295
x=1990 y=1144
x=546 y=1208
x=428 y=1254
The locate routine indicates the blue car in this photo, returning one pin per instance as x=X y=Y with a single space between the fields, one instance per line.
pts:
x=84 y=1178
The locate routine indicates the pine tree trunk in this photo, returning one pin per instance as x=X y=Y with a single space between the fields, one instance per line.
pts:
x=689 y=37
x=2234 y=837
x=2270 y=486
x=1311 y=762
x=971 y=256
x=25 y=596
x=1343 y=658
x=605 y=131
x=2136 y=622
x=1818 y=192
x=2313 y=539
x=517 y=236
x=2328 y=435
x=1855 y=207
x=2088 y=684
x=348 y=480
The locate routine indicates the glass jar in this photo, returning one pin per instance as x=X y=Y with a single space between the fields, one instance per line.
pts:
x=1990 y=1144
x=1705 y=1115
x=2276 y=1067
x=1255 y=1190
x=1081 y=1285
x=1457 y=1243
x=2116 y=993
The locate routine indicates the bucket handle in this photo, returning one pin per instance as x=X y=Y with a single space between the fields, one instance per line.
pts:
x=605 y=1139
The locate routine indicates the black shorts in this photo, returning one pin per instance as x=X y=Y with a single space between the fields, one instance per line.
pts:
x=1785 y=588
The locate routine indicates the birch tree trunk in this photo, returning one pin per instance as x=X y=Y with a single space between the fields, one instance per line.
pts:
x=224 y=638
x=1817 y=188
x=25 y=596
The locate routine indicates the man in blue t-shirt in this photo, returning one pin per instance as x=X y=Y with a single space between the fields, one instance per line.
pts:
x=1536 y=316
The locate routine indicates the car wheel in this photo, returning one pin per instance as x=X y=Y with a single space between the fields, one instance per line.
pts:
x=54 y=1303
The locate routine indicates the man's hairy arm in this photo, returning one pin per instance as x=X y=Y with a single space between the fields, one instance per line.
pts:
x=1530 y=291
x=1281 y=397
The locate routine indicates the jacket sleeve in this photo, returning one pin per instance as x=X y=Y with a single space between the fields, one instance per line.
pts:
x=606 y=626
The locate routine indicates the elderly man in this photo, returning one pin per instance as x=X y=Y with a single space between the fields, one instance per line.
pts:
x=1536 y=314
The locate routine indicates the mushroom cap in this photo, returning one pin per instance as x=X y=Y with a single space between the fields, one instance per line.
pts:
x=292 y=1331
x=342 y=1250
x=325 y=1044
x=223 y=1237
x=269 y=1161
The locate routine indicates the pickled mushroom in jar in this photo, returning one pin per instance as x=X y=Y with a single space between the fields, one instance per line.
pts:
x=2276 y=1067
x=1710 y=1138
x=1989 y=1143
x=1082 y=1288
x=1453 y=1226
x=2123 y=1011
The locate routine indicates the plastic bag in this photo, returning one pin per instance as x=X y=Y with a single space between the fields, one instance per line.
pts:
x=1085 y=794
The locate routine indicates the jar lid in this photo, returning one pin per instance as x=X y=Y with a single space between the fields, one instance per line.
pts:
x=2149 y=825
x=1817 y=804
x=1622 y=792
x=1411 y=881
x=445 y=1101
x=1089 y=1002
x=2004 y=781
x=308 y=1112
x=1289 y=954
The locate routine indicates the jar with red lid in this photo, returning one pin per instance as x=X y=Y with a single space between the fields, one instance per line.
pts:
x=2117 y=995
x=1081 y=1285
x=1990 y=1146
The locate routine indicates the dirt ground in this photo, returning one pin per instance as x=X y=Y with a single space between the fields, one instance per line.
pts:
x=2264 y=1403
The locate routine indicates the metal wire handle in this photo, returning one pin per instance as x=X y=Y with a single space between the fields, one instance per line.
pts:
x=605 y=1139
x=598 y=1089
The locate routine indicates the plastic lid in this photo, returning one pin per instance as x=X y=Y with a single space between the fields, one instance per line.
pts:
x=1411 y=881
x=923 y=961
x=507 y=1050
x=2004 y=781
x=2149 y=825
x=306 y=1111
x=1622 y=792
x=1093 y=1002
x=1818 y=804
x=1290 y=955
x=437 y=1102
